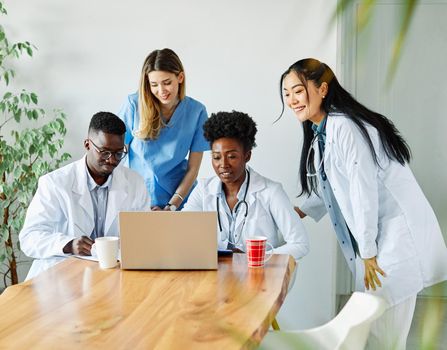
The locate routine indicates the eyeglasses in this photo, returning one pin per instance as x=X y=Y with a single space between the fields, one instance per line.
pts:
x=105 y=155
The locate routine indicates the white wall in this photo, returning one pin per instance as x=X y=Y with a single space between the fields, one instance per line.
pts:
x=90 y=55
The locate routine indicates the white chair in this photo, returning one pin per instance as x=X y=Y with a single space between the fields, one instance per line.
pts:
x=349 y=330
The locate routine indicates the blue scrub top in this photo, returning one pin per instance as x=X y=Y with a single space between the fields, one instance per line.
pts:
x=162 y=162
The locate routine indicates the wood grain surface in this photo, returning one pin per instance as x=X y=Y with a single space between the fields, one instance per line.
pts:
x=77 y=305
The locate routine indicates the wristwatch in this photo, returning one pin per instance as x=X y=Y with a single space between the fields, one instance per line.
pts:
x=172 y=207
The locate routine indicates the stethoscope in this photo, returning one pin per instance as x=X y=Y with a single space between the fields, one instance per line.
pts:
x=243 y=202
x=316 y=139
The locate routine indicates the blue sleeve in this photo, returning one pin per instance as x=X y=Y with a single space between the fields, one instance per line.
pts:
x=199 y=143
x=127 y=114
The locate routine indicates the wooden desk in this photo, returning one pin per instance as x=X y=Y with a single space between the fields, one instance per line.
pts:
x=75 y=304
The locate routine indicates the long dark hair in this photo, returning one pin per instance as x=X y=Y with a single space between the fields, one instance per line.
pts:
x=339 y=100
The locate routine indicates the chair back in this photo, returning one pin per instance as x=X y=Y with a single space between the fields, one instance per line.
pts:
x=353 y=323
x=349 y=330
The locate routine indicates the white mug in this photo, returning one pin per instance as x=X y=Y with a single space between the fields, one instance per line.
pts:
x=107 y=251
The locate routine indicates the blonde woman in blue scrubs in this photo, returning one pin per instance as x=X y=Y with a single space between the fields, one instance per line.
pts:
x=164 y=131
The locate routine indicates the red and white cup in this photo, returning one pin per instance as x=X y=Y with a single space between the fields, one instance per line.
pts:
x=256 y=251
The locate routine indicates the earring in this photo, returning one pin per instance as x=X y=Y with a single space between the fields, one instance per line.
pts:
x=323 y=96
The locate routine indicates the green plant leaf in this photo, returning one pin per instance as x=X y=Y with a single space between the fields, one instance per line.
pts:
x=17 y=115
x=29 y=152
x=24 y=98
x=2 y=9
x=34 y=98
x=4 y=233
x=365 y=12
x=65 y=157
x=410 y=7
x=342 y=6
x=6 y=77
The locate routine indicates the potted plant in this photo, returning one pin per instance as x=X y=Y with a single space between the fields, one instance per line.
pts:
x=25 y=153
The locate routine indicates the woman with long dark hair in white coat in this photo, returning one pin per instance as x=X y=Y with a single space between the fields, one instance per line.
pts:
x=354 y=166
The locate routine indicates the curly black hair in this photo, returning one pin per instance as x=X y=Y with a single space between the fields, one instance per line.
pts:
x=108 y=123
x=235 y=125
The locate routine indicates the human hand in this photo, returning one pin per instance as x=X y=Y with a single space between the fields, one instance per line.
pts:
x=79 y=246
x=155 y=208
x=300 y=212
x=237 y=250
x=371 y=268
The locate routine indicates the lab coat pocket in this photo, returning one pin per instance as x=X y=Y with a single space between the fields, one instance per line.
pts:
x=394 y=242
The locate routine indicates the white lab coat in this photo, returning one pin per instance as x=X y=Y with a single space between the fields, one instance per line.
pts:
x=270 y=214
x=62 y=210
x=384 y=208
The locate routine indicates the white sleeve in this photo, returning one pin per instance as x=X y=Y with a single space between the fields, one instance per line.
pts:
x=39 y=237
x=143 y=200
x=362 y=173
x=314 y=207
x=195 y=199
x=289 y=224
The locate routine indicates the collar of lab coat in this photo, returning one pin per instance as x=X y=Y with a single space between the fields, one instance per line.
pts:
x=329 y=139
x=117 y=192
x=257 y=183
x=80 y=187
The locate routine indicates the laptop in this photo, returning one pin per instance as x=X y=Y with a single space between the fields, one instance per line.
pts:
x=168 y=240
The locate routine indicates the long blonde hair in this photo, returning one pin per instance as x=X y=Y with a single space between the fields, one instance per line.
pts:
x=149 y=107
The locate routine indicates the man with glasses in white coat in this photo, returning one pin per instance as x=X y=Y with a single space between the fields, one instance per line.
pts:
x=79 y=202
